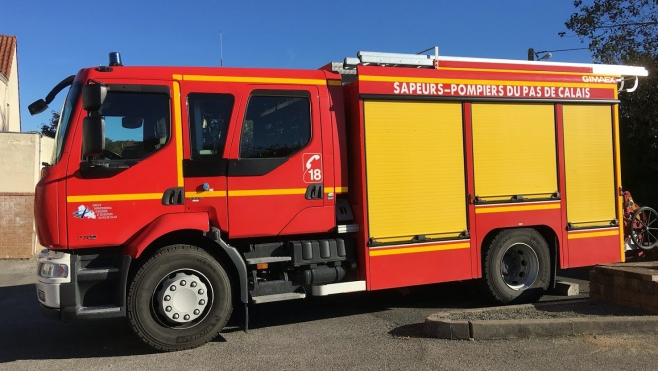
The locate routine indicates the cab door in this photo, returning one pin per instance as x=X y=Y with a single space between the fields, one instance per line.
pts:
x=207 y=123
x=111 y=198
x=276 y=170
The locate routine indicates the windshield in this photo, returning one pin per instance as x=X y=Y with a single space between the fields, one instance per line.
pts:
x=65 y=120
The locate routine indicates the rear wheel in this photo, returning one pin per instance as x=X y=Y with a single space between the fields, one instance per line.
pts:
x=179 y=299
x=516 y=267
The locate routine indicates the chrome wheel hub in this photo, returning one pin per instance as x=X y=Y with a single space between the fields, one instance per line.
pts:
x=519 y=267
x=182 y=297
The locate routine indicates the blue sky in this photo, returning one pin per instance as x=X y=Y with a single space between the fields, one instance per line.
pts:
x=57 y=38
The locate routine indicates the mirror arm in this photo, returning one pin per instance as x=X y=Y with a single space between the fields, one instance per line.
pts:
x=62 y=84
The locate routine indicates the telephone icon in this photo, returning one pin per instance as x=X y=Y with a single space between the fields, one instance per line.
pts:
x=309 y=163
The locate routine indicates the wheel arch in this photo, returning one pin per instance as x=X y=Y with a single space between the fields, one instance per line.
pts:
x=163 y=226
x=222 y=252
x=547 y=232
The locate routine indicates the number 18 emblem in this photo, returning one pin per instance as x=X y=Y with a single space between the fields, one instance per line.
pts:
x=312 y=167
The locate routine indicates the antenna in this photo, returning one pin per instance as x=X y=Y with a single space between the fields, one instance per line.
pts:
x=221 y=50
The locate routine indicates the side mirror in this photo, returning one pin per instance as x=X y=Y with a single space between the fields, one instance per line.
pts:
x=93 y=136
x=37 y=107
x=93 y=96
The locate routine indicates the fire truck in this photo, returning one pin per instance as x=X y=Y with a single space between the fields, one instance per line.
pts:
x=176 y=194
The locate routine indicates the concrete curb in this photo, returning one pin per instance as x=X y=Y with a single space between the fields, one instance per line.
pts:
x=438 y=325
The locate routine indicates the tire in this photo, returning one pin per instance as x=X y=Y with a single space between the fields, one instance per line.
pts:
x=179 y=299
x=644 y=228
x=516 y=267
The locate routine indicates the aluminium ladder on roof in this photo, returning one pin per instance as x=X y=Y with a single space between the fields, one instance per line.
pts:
x=347 y=69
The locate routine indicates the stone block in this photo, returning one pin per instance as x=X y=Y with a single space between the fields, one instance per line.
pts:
x=440 y=328
x=519 y=329
x=615 y=325
x=565 y=288
x=632 y=285
x=619 y=281
x=647 y=287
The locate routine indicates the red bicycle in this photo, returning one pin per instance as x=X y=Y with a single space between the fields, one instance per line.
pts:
x=640 y=226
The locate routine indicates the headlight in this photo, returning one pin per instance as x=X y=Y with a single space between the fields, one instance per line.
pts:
x=53 y=270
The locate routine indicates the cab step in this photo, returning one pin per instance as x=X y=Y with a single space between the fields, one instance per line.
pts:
x=100 y=312
x=97 y=274
x=277 y=297
x=268 y=259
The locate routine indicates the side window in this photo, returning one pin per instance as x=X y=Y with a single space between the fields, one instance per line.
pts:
x=136 y=124
x=209 y=115
x=275 y=125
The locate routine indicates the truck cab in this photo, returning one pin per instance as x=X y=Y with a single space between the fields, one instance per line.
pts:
x=241 y=164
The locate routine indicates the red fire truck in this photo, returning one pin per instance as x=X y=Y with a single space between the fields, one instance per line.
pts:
x=176 y=193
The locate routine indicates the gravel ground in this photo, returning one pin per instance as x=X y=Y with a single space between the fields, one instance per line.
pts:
x=578 y=308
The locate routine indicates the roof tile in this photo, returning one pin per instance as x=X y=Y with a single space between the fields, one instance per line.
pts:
x=7 y=50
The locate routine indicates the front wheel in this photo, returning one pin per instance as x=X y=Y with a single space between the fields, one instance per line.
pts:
x=179 y=299
x=516 y=267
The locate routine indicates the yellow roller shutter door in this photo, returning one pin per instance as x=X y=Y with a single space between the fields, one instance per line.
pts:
x=589 y=164
x=414 y=170
x=514 y=151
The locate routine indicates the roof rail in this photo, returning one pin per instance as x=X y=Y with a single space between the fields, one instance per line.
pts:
x=417 y=60
x=626 y=76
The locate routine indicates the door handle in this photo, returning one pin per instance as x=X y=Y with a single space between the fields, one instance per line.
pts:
x=173 y=196
x=314 y=192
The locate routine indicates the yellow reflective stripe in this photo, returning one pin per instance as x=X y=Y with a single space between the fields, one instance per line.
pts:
x=115 y=197
x=419 y=249
x=335 y=190
x=259 y=80
x=373 y=78
x=503 y=209
x=193 y=194
x=203 y=194
x=178 y=127
x=267 y=192
x=575 y=235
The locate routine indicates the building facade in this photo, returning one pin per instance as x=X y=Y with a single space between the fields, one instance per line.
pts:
x=22 y=155
x=10 y=118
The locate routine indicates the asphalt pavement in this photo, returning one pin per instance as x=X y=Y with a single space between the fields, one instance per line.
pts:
x=360 y=331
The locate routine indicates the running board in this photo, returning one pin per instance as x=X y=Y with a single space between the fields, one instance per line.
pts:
x=100 y=312
x=339 y=288
x=277 y=297
x=268 y=259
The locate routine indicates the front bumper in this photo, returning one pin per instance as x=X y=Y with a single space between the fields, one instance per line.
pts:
x=50 y=281
x=81 y=286
x=48 y=294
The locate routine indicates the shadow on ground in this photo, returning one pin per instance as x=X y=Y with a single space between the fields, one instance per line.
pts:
x=27 y=334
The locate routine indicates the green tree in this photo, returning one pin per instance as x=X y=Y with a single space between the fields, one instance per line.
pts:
x=626 y=32
x=50 y=129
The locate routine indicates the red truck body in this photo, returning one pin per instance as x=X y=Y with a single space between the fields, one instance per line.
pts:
x=298 y=182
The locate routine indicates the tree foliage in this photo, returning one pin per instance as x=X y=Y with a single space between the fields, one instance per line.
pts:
x=617 y=30
x=626 y=32
x=50 y=129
